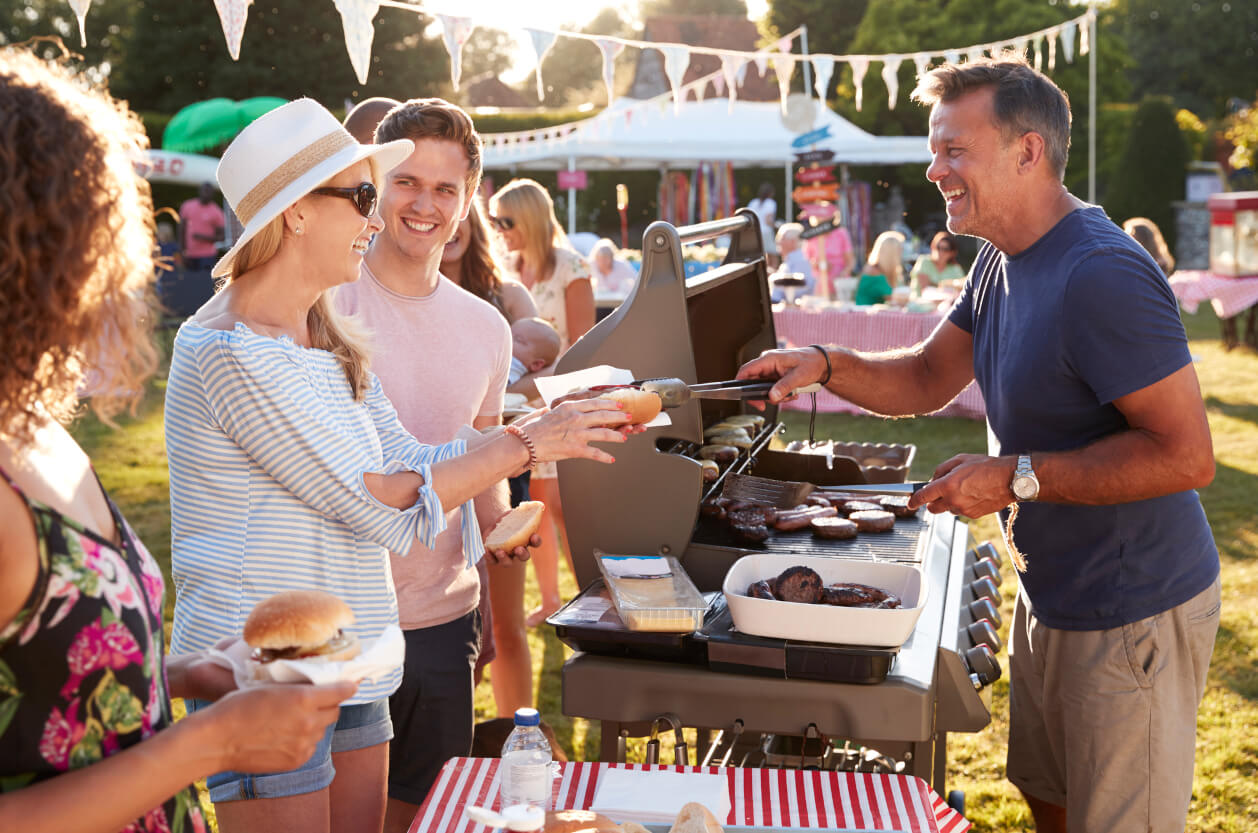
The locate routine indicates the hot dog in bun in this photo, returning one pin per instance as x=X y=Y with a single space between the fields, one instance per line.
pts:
x=641 y=405
x=301 y=624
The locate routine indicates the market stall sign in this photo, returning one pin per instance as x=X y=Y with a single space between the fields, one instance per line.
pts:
x=806 y=156
x=810 y=176
x=574 y=180
x=811 y=137
x=828 y=192
x=819 y=229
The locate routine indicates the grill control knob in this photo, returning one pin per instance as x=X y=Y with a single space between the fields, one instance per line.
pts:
x=985 y=588
x=983 y=632
x=987 y=567
x=988 y=550
x=984 y=609
x=984 y=668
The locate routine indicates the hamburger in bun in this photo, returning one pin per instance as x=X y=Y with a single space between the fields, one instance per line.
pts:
x=301 y=624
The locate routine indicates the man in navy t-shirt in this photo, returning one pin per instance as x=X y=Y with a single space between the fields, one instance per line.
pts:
x=1098 y=439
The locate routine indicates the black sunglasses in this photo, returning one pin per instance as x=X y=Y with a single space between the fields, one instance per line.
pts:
x=502 y=223
x=363 y=196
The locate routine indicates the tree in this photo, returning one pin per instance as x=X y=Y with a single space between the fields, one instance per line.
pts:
x=487 y=51
x=177 y=55
x=108 y=26
x=1199 y=52
x=573 y=69
x=831 y=24
x=1150 y=175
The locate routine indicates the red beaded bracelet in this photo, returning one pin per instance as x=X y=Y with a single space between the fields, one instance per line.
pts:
x=518 y=432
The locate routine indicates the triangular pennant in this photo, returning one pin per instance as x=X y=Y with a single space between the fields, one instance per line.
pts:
x=542 y=42
x=952 y=56
x=784 y=44
x=783 y=68
x=356 y=17
x=455 y=31
x=762 y=63
x=1021 y=45
x=1068 y=40
x=823 y=66
x=80 y=11
x=1052 y=49
x=974 y=53
x=891 y=77
x=1038 y=40
x=731 y=67
x=859 y=64
x=1085 y=34
x=610 y=49
x=718 y=84
x=676 y=59
x=922 y=62
x=232 y=14
x=700 y=90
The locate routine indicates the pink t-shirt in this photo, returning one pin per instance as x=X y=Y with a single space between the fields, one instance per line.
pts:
x=200 y=218
x=442 y=361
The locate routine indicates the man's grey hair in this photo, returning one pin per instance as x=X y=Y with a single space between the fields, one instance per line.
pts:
x=1025 y=100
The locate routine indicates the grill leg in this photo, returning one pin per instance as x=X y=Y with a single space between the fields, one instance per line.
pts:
x=610 y=744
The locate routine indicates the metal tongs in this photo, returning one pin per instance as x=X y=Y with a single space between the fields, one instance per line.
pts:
x=674 y=392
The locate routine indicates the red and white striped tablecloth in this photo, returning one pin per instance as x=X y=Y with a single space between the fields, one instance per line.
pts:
x=805 y=799
x=871 y=330
x=1228 y=296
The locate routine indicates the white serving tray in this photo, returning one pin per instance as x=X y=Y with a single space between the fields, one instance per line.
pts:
x=869 y=627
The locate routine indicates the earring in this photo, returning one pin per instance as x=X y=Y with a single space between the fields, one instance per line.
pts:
x=298 y=230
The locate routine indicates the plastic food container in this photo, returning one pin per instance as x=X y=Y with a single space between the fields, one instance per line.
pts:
x=871 y=627
x=652 y=593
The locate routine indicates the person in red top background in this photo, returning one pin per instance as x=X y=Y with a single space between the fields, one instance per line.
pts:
x=202 y=228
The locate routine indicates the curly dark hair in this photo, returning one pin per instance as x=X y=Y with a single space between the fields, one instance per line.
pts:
x=76 y=248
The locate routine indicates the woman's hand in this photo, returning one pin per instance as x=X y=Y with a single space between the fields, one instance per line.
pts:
x=505 y=558
x=197 y=676
x=567 y=431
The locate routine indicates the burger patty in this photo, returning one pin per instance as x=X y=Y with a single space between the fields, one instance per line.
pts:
x=333 y=645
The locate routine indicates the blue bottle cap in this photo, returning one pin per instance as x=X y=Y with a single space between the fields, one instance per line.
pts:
x=527 y=717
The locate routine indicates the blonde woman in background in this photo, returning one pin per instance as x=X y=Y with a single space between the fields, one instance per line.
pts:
x=883 y=271
x=1147 y=234
x=539 y=257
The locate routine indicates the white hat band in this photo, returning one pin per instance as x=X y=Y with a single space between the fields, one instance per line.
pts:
x=292 y=170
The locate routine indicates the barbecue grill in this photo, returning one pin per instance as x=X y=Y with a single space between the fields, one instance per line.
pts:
x=769 y=700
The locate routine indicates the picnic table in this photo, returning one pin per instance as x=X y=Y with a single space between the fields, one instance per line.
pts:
x=1230 y=297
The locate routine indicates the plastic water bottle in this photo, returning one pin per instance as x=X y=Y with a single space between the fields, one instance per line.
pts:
x=525 y=768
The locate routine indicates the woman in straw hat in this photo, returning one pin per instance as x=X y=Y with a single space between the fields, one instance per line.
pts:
x=87 y=741
x=288 y=466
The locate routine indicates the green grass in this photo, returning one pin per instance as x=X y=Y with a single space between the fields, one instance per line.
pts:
x=132 y=465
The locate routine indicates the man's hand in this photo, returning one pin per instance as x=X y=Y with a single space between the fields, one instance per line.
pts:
x=972 y=485
x=793 y=369
x=507 y=558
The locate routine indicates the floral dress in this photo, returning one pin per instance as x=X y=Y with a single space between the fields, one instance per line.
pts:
x=82 y=667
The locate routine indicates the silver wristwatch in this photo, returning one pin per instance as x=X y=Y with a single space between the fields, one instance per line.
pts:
x=1025 y=485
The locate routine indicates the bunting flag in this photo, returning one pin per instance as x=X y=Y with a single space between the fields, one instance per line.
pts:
x=718 y=84
x=823 y=69
x=1085 y=35
x=80 y=11
x=609 y=49
x=676 y=59
x=922 y=61
x=762 y=64
x=731 y=67
x=891 y=77
x=974 y=53
x=1052 y=51
x=1038 y=40
x=1068 y=40
x=455 y=32
x=232 y=14
x=953 y=56
x=1021 y=45
x=542 y=41
x=357 y=17
x=783 y=68
x=859 y=64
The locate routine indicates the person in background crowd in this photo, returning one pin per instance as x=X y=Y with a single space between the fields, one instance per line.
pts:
x=289 y=467
x=612 y=276
x=1146 y=232
x=766 y=208
x=836 y=246
x=883 y=271
x=938 y=267
x=87 y=739
x=1098 y=440
x=559 y=279
x=794 y=262
x=203 y=226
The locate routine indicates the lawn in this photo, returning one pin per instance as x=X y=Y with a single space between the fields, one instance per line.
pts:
x=131 y=463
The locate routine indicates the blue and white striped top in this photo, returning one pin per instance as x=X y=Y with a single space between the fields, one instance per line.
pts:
x=267 y=449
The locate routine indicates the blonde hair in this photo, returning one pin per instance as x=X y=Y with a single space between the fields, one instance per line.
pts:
x=1147 y=234
x=887 y=257
x=76 y=268
x=338 y=334
x=529 y=206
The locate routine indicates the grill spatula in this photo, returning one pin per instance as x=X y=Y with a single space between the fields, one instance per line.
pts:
x=783 y=494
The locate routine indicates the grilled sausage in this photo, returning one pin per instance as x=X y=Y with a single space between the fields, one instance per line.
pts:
x=713 y=508
x=873 y=520
x=799 y=519
x=817 y=500
x=722 y=454
x=711 y=471
x=799 y=584
x=750 y=533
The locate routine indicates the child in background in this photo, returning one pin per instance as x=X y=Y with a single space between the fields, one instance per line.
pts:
x=534 y=345
x=883 y=271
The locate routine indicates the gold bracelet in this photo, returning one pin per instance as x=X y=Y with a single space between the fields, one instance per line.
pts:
x=518 y=432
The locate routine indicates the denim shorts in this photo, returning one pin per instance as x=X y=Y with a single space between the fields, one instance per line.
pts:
x=357 y=728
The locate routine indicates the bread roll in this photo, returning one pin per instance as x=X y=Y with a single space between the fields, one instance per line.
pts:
x=723 y=454
x=642 y=406
x=632 y=827
x=695 y=818
x=579 y=821
x=516 y=527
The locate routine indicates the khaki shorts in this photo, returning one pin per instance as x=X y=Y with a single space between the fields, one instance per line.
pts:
x=1104 y=723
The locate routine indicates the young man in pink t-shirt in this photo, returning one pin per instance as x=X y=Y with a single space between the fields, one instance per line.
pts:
x=203 y=225
x=443 y=356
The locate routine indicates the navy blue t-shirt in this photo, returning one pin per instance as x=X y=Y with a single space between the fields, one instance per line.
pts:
x=1079 y=319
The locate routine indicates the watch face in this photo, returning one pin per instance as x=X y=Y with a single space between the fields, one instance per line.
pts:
x=1024 y=488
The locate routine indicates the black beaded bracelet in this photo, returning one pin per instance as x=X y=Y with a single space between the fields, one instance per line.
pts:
x=825 y=354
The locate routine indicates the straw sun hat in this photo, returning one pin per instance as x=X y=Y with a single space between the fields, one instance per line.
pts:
x=284 y=155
